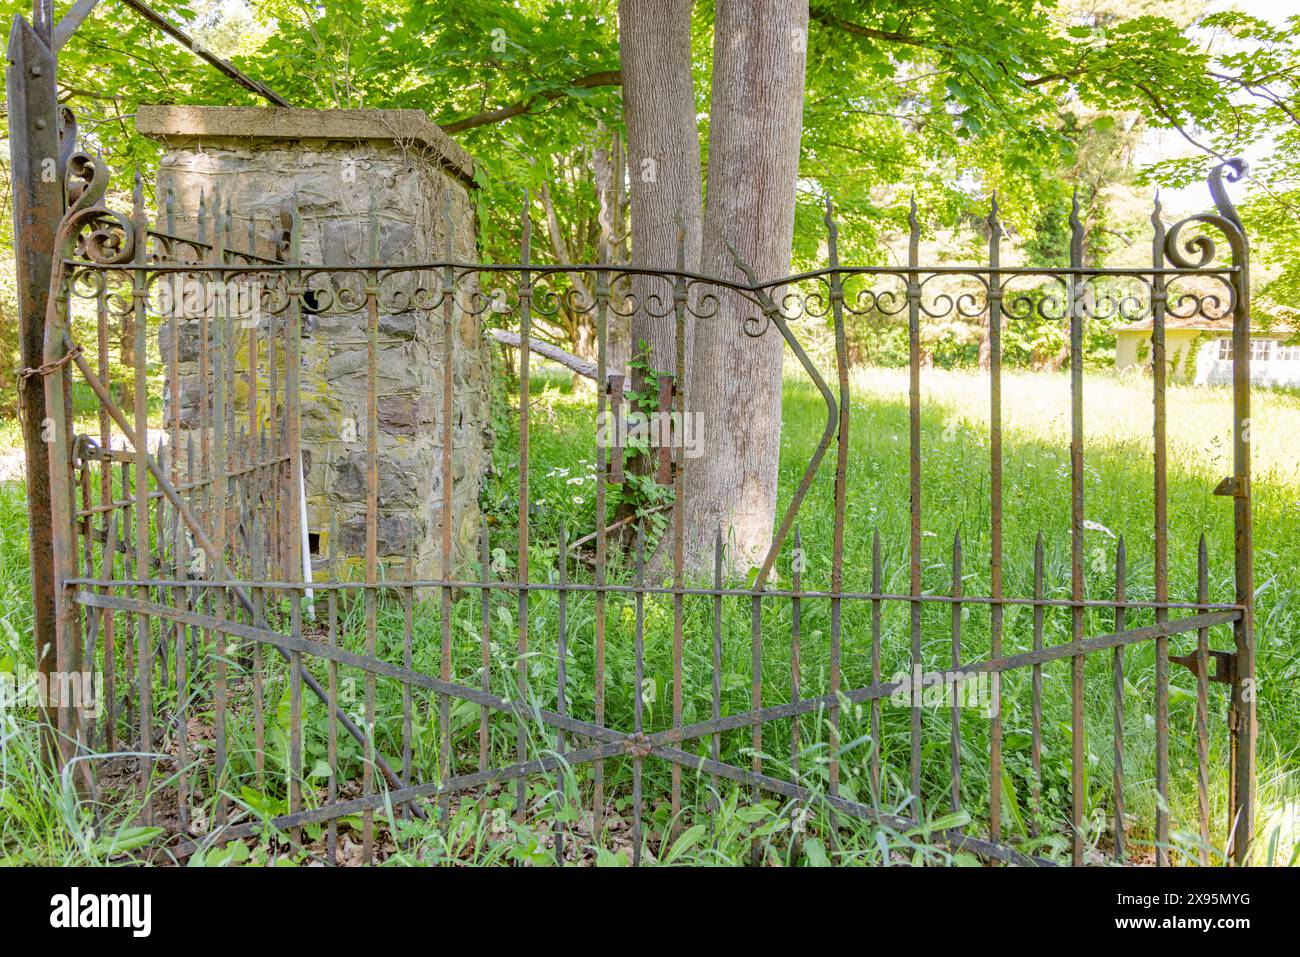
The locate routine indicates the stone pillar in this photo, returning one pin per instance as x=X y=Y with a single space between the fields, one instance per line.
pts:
x=340 y=164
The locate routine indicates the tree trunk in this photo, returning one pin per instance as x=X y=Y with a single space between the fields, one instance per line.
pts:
x=756 y=119
x=663 y=144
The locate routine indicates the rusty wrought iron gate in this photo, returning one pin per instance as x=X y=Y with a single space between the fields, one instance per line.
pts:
x=182 y=564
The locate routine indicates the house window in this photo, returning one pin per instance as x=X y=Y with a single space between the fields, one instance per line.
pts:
x=1261 y=350
x=1288 y=353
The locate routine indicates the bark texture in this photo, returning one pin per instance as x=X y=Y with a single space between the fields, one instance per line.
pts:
x=756 y=118
x=663 y=145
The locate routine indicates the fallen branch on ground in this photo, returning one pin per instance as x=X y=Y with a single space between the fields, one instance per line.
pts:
x=619 y=524
x=571 y=362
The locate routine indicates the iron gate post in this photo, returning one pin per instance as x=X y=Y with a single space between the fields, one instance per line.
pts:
x=38 y=206
x=1243 y=721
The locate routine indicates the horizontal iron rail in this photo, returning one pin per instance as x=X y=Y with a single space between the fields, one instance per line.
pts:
x=630 y=270
x=402 y=585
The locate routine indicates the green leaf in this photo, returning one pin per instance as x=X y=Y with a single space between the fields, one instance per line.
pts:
x=814 y=852
x=127 y=839
x=689 y=838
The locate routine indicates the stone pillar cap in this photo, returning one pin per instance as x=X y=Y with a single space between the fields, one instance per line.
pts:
x=186 y=125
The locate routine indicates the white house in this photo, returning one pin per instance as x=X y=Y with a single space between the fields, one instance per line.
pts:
x=1201 y=352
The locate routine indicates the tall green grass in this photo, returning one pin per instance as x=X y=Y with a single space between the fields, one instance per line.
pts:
x=721 y=825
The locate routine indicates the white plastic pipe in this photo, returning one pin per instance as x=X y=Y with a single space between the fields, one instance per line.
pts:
x=306 y=540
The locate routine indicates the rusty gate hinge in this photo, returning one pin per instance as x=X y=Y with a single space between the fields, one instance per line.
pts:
x=1225 y=667
x=1229 y=487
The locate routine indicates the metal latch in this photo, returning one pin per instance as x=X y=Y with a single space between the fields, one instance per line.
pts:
x=1230 y=487
x=1225 y=668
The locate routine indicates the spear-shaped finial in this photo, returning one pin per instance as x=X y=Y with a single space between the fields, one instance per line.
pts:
x=995 y=224
x=372 y=230
x=681 y=241
x=1076 y=231
x=832 y=233
x=294 y=237
x=913 y=233
x=525 y=228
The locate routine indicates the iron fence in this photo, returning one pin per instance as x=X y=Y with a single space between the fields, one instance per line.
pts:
x=182 y=562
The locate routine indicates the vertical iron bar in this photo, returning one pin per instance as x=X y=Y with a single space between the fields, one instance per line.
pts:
x=678 y=466
x=485 y=638
x=1121 y=622
x=55 y=432
x=332 y=693
x=756 y=703
x=716 y=710
x=1036 y=703
x=796 y=609
x=638 y=691
x=180 y=558
x=561 y=704
x=841 y=494
x=1158 y=372
x=216 y=490
x=106 y=493
x=525 y=349
x=995 y=518
x=295 y=714
x=914 y=487
x=1203 y=704
x=1244 y=723
x=408 y=648
x=448 y=498
x=293 y=514
x=603 y=475
x=372 y=523
x=259 y=609
x=144 y=650
x=1078 y=751
x=38 y=199
x=876 y=586
x=127 y=482
x=956 y=663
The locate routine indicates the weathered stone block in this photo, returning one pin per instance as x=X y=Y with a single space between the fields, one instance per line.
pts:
x=394 y=533
x=340 y=164
x=397 y=483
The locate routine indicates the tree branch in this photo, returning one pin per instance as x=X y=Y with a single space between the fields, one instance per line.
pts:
x=870 y=33
x=601 y=78
x=546 y=350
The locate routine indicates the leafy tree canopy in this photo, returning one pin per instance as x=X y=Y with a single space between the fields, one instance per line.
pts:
x=954 y=100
